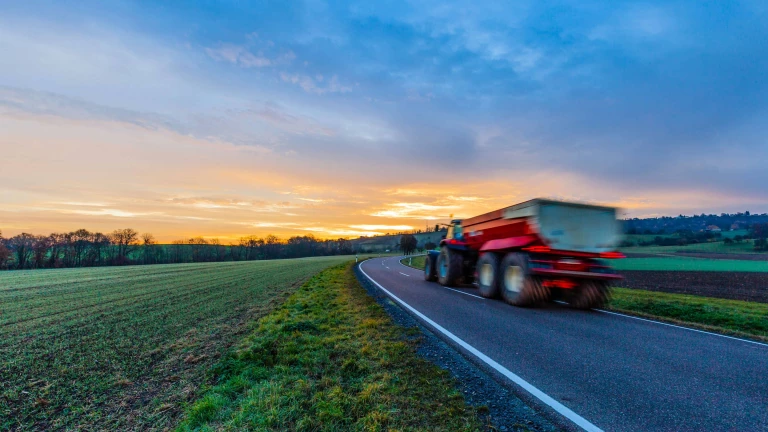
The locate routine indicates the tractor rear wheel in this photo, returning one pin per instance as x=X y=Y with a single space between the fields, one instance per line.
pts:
x=488 y=275
x=449 y=264
x=430 y=271
x=518 y=286
x=591 y=294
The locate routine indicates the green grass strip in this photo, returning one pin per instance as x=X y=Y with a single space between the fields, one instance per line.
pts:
x=329 y=359
x=689 y=264
x=734 y=317
x=415 y=262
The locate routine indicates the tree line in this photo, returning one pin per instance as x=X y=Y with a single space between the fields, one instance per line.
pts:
x=83 y=248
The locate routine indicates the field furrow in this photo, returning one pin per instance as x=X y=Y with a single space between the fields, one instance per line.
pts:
x=114 y=348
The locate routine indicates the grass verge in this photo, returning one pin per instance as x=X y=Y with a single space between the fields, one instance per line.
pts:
x=415 y=262
x=329 y=359
x=734 y=317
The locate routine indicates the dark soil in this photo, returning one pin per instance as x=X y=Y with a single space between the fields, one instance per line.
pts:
x=742 y=257
x=748 y=286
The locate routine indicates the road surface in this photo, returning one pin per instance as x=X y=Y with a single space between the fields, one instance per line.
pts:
x=611 y=372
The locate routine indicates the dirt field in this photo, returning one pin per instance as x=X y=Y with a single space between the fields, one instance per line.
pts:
x=749 y=286
x=707 y=255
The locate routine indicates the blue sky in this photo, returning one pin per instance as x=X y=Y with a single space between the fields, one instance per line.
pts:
x=333 y=116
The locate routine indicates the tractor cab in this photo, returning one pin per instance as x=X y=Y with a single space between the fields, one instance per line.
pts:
x=455 y=231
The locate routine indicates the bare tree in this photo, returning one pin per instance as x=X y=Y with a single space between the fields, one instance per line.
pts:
x=125 y=240
x=22 y=247
x=408 y=243
x=40 y=248
x=148 y=242
x=5 y=254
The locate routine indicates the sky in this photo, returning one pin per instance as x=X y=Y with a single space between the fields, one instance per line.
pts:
x=228 y=119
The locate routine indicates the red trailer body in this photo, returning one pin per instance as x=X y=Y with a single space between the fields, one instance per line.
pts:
x=548 y=246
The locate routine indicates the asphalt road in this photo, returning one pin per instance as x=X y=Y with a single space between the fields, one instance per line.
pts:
x=616 y=372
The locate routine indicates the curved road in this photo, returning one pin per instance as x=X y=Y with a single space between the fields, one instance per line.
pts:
x=613 y=372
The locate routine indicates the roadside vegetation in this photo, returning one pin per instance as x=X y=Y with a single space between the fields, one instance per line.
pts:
x=724 y=316
x=124 y=348
x=329 y=359
x=415 y=262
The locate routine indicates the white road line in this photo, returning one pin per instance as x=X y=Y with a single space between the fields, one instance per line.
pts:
x=673 y=325
x=404 y=274
x=681 y=327
x=465 y=293
x=545 y=398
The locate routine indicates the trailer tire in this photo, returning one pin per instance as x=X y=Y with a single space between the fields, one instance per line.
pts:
x=591 y=294
x=488 y=275
x=430 y=271
x=449 y=264
x=518 y=287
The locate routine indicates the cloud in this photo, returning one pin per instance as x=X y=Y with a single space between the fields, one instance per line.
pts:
x=239 y=55
x=106 y=212
x=415 y=210
x=382 y=227
x=317 y=85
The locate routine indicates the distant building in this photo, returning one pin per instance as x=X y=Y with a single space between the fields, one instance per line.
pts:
x=734 y=227
x=714 y=229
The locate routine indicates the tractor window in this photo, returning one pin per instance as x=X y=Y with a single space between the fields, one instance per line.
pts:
x=457 y=232
x=449 y=234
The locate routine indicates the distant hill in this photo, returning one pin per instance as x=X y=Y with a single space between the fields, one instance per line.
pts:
x=392 y=242
x=695 y=223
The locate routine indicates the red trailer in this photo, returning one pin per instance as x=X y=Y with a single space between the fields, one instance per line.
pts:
x=531 y=252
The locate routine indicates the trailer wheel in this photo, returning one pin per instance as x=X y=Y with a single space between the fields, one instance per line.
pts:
x=430 y=272
x=591 y=294
x=488 y=275
x=449 y=264
x=518 y=287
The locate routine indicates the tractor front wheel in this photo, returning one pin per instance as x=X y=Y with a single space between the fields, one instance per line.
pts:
x=449 y=264
x=430 y=271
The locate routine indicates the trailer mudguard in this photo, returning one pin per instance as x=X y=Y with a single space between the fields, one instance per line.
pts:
x=507 y=243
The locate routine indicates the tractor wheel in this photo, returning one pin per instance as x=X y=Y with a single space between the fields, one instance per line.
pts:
x=488 y=275
x=449 y=264
x=591 y=294
x=430 y=272
x=517 y=285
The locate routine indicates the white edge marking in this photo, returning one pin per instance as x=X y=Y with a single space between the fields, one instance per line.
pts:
x=404 y=274
x=681 y=327
x=557 y=406
x=673 y=325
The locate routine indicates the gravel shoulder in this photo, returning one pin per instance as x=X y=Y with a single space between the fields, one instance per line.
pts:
x=506 y=411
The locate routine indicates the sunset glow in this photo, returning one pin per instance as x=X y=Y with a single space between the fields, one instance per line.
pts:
x=287 y=122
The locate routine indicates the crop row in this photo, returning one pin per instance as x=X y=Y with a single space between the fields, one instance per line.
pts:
x=80 y=358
